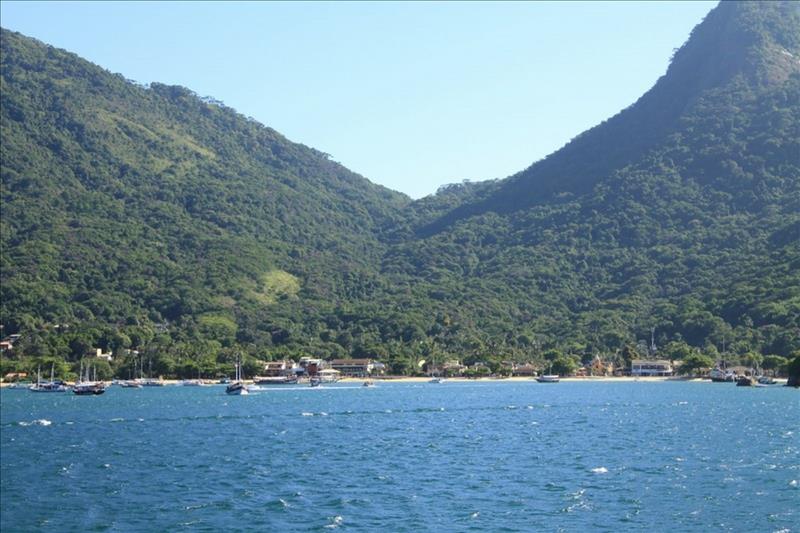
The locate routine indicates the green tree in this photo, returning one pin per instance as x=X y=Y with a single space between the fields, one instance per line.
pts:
x=775 y=363
x=694 y=363
x=564 y=365
x=793 y=371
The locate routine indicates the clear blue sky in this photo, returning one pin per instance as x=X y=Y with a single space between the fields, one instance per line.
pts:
x=411 y=95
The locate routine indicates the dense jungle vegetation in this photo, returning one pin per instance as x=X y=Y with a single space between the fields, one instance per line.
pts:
x=151 y=219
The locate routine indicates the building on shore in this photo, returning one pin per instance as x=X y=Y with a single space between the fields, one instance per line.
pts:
x=329 y=375
x=7 y=344
x=451 y=368
x=278 y=368
x=309 y=366
x=526 y=370
x=353 y=367
x=599 y=367
x=651 y=367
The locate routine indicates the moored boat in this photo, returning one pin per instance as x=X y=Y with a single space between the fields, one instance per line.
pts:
x=718 y=375
x=49 y=386
x=88 y=388
x=54 y=385
x=548 y=378
x=152 y=382
x=85 y=387
x=275 y=380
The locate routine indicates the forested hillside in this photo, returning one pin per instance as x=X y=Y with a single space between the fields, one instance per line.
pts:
x=681 y=213
x=130 y=210
x=150 y=218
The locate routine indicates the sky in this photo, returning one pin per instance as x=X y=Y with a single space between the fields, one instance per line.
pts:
x=412 y=95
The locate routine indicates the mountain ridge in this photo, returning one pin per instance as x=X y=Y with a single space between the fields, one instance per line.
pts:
x=729 y=22
x=152 y=219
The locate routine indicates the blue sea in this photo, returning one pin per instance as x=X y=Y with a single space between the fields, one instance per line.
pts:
x=482 y=456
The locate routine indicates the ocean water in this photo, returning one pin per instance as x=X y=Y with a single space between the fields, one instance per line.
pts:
x=483 y=456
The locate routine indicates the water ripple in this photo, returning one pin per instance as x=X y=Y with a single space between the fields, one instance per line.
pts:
x=472 y=457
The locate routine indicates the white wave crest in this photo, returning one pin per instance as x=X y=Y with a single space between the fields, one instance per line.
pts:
x=38 y=422
x=336 y=521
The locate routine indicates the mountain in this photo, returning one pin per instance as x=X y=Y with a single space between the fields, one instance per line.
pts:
x=151 y=218
x=681 y=213
x=739 y=53
x=130 y=205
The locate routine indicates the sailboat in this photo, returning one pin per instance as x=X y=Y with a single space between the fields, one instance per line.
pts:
x=88 y=387
x=238 y=387
x=133 y=383
x=47 y=386
x=194 y=382
x=549 y=378
x=435 y=379
x=151 y=381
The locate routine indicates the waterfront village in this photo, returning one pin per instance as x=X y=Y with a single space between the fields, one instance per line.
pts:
x=317 y=370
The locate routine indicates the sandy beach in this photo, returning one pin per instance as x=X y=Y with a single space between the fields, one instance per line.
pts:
x=518 y=379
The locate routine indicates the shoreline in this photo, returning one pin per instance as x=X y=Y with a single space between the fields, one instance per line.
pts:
x=516 y=379
x=520 y=379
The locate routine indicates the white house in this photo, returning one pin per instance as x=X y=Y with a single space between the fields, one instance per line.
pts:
x=100 y=355
x=650 y=367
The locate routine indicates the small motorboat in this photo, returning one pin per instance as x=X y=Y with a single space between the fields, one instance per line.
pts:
x=275 y=380
x=152 y=382
x=237 y=388
x=549 y=378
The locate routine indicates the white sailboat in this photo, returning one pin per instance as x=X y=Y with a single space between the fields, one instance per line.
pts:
x=150 y=381
x=47 y=386
x=134 y=382
x=549 y=378
x=438 y=378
